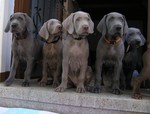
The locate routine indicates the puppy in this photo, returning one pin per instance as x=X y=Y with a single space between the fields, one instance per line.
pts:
x=52 y=51
x=76 y=50
x=24 y=45
x=110 y=51
x=133 y=54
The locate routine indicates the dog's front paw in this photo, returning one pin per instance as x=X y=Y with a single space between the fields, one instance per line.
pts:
x=137 y=96
x=42 y=83
x=60 y=88
x=95 y=89
x=25 y=84
x=8 y=82
x=116 y=91
x=55 y=84
x=80 y=89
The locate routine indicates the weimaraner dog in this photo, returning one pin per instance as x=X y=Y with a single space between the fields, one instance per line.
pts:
x=110 y=51
x=52 y=51
x=133 y=55
x=76 y=50
x=24 y=45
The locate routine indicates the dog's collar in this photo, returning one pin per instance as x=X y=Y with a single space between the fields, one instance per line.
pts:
x=77 y=38
x=112 y=42
x=21 y=37
x=55 y=40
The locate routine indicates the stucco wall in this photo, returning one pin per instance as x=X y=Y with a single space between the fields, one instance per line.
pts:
x=6 y=8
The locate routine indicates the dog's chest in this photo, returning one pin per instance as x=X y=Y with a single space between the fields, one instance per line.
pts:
x=75 y=56
x=20 y=49
x=52 y=53
x=110 y=54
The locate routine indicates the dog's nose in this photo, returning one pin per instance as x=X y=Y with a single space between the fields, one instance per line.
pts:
x=138 y=42
x=118 y=28
x=59 y=27
x=85 y=27
x=14 y=25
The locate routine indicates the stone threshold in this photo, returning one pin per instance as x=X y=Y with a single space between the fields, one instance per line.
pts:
x=70 y=102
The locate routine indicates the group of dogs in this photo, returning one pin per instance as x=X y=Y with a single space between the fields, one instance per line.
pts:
x=66 y=50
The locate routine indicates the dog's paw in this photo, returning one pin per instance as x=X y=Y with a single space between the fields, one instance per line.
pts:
x=80 y=90
x=55 y=84
x=8 y=82
x=25 y=84
x=95 y=89
x=42 y=83
x=60 y=89
x=116 y=91
x=137 y=96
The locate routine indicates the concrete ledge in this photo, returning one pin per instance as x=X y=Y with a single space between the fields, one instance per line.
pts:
x=70 y=102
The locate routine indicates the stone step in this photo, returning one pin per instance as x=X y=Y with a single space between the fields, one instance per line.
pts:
x=70 y=102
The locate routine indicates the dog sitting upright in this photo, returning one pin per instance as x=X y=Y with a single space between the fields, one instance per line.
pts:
x=76 y=51
x=52 y=51
x=24 y=45
x=133 y=54
x=110 y=51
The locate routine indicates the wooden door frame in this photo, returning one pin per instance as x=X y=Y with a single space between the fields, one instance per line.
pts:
x=148 y=22
x=22 y=6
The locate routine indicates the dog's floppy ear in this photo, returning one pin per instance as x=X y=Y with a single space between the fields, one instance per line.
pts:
x=44 y=32
x=101 y=27
x=29 y=23
x=143 y=39
x=125 y=29
x=91 y=29
x=68 y=23
x=7 y=28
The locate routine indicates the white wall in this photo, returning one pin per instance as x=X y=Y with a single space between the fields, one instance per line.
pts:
x=6 y=9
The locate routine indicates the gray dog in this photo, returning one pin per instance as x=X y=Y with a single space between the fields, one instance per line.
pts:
x=52 y=51
x=76 y=50
x=133 y=55
x=24 y=45
x=110 y=51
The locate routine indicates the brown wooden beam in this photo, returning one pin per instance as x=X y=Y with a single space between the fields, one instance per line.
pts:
x=22 y=6
x=3 y=76
x=148 y=23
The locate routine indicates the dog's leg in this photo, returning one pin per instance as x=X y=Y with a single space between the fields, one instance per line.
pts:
x=28 y=72
x=14 y=65
x=81 y=78
x=57 y=74
x=129 y=79
x=137 y=82
x=43 y=82
x=136 y=87
x=116 y=78
x=64 y=81
x=98 y=78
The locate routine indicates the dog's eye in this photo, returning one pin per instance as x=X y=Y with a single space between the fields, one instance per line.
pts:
x=131 y=34
x=88 y=19
x=11 y=18
x=139 y=33
x=121 y=20
x=20 y=18
x=78 y=19
x=110 y=19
